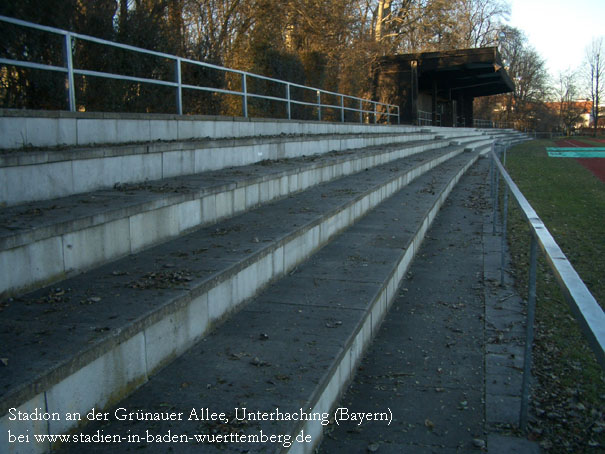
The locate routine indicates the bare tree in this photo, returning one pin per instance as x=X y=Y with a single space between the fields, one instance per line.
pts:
x=527 y=69
x=335 y=41
x=480 y=21
x=595 y=71
x=567 y=94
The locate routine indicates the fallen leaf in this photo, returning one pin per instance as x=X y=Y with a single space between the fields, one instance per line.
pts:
x=478 y=443
x=258 y=362
x=373 y=447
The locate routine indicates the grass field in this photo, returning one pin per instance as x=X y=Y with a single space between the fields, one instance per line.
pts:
x=569 y=399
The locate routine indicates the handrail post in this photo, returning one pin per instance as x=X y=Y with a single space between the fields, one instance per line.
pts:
x=69 y=64
x=529 y=332
x=289 y=104
x=179 y=88
x=496 y=198
x=177 y=83
x=492 y=174
x=503 y=234
x=244 y=96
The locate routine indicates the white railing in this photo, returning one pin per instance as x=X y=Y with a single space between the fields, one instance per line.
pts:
x=426 y=118
x=479 y=123
x=365 y=109
x=584 y=306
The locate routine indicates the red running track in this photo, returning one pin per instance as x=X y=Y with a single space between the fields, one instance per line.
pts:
x=595 y=165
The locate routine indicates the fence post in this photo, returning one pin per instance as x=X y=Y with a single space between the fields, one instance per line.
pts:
x=179 y=88
x=289 y=104
x=529 y=332
x=496 y=196
x=375 y=113
x=492 y=171
x=342 y=108
x=319 y=105
x=69 y=64
x=360 y=111
x=244 y=96
x=503 y=233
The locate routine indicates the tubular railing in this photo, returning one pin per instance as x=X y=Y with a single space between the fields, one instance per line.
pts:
x=479 y=123
x=376 y=110
x=426 y=118
x=584 y=306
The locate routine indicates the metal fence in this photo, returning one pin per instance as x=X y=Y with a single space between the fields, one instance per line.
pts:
x=584 y=306
x=364 y=109
x=544 y=135
x=426 y=118
x=479 y=123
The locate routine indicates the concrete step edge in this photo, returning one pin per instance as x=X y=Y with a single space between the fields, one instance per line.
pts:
x=23 y=128
x=336 y=380
x=357 y=158
x=111 y=369
x=68 y=177
x=65 y=250
x=47 y=156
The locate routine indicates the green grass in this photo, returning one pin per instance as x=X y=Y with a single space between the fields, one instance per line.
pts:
x=569 y=399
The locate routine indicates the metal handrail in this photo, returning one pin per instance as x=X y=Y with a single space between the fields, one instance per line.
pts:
x=480 y=123
x=585 y=307
x=389 y=110
x=426 y=118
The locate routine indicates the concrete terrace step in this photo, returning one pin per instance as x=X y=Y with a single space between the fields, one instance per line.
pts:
x=23 y=128
x=505 y=135
x=97 y=336
x=74 y=171
x=438 y=356
x=49 y=240
x=59 y=173
x=473 y=142
x=427 y=361
x=293 y=348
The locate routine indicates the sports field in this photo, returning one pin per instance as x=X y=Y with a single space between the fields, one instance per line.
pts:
x=569 y=196
x=595 y=165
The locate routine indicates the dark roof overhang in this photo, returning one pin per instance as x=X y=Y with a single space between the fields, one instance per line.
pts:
x=474 y=72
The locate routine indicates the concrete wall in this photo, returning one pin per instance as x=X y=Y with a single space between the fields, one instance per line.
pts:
x=20 y=128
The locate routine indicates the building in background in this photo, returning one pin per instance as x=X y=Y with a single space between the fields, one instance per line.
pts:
x=438 y=88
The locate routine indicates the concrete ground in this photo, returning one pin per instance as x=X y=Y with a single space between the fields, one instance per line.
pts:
x=446 y=363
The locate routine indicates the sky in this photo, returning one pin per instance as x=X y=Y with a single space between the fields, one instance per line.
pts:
x=560 y=30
